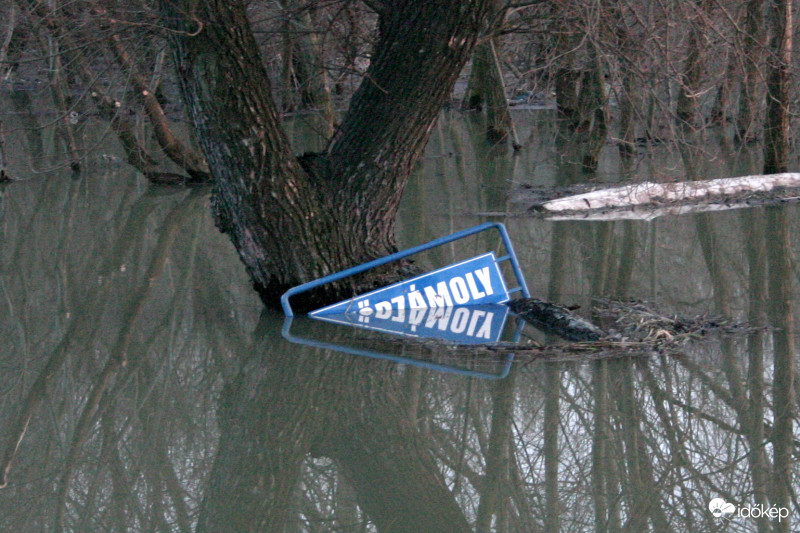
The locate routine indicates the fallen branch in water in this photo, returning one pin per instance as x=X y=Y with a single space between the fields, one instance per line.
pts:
x=648 y=200
x=649 y=192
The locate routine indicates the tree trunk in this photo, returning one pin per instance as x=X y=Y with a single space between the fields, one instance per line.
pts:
x=752 y=93
x=295 y=219
x=776 y=129
x=687 y=106
x=306 y=63
x=486 y=88
x=3 y=173
x=754 y=230
x=550 y=450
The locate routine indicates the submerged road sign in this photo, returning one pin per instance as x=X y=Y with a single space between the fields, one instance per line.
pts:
x=471 y=282
x=461 y=303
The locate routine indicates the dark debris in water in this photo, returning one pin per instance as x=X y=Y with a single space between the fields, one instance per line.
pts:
x=634 y=329
x=556 y=319
x=642 y=322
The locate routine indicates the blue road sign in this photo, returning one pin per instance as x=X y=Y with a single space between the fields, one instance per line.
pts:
x=472 y=282
x=457 y=288
x=462 y=324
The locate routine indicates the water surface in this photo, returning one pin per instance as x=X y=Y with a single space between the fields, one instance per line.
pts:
x=145 y=389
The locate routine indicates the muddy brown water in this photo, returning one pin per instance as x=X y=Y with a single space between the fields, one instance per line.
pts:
x=145 y=389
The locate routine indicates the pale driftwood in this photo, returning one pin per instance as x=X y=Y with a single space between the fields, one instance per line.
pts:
x=646 y=213
x=685 y=191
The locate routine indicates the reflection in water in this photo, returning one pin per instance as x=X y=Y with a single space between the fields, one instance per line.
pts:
x=145 y=390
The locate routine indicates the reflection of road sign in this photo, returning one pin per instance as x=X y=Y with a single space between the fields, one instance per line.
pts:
x=463 y=324
x=490 y=368
x=472 y=282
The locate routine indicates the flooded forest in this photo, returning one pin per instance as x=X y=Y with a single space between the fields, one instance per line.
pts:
x=169 y=168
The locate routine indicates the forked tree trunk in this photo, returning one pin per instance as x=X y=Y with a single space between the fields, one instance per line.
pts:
x=295 y=219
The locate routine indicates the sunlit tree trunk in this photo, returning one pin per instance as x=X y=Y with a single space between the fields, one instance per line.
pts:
x=293 y=219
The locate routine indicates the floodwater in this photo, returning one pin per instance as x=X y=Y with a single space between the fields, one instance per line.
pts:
x=144 y=388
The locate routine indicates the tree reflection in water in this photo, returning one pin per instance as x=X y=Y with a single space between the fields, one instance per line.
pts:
x=143 y=388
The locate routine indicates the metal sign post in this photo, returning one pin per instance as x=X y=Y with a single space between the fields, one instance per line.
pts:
x=462 y=303
x=476 y=281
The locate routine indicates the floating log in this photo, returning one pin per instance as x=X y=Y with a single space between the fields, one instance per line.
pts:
x=646 y=193
x=556 y=319
x=648 y=213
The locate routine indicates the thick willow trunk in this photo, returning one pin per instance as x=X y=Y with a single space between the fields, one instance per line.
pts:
x=293 y=219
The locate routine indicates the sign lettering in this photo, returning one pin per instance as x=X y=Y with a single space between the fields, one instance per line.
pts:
x=475 y=281
x=473 y=324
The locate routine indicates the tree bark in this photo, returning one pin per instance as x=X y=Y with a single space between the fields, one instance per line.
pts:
x=687 y=107
x=295 y=219
x=779 y=79
x=550 y=449
x=751 y=94
x=3 y=174
x=487 y=88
